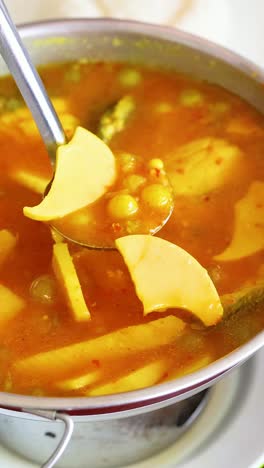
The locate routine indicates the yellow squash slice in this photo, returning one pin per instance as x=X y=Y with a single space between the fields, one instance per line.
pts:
x=66 y=275
x=11 y=304
x=166 y=276
x=31 y=181
x=117 y=344
x=248 y=237
x=75 y=383
x=8 y=242
x=85 y=168
x=145 y=376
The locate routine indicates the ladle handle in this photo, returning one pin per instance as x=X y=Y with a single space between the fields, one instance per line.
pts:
x=29 y=83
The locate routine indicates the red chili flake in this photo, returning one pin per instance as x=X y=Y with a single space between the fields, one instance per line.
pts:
x=199 y=113
x=218 y=161
x=116 y=227
x=206 y=198
x=259 y=205
x=180 y=170
x=157 y=171
x=96 y=362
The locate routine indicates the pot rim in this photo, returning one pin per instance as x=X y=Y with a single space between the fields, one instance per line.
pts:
x=179 y=387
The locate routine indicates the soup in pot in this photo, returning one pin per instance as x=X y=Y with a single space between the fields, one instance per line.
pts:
x=188 y=156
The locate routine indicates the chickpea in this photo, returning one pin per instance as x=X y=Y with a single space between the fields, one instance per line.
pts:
x=129 y=77
x=156 y=164
x=191 y=98
x=156 y=196
x=122 y=206
x=134 y=182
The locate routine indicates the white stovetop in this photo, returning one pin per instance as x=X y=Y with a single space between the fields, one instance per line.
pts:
x=236 y=24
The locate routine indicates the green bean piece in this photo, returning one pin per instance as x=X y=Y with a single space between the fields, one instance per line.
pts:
x=114 y=119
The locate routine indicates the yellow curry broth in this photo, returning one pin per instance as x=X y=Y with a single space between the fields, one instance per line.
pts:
x=201 y=224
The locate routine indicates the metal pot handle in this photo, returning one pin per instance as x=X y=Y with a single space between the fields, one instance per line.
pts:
x=66 y=437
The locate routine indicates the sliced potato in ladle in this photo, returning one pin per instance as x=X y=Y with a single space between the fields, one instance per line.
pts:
x=166 y=276
x=85 y=168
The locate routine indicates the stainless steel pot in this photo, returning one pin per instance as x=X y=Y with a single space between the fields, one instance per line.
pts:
x=113 y=40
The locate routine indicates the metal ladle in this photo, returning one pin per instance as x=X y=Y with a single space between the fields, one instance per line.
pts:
x=33 y=91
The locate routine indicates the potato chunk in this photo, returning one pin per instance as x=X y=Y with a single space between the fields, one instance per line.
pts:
x=34 y=182
x=11 y=304
x=244 y=298
x=166 y=276
x=66 y=275
x=85 y=168
x=79 y=382
x=202 y=166
x=145 y=376
x=7 y=244
x=117 y=344
x=248 y=236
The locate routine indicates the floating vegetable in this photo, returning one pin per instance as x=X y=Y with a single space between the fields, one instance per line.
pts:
x=115 y=118
x=12 y=304
x=166 y=276
x=202 y=166
x=66 y=275
x=8 y=242
x=248 y=234
x=119 y=343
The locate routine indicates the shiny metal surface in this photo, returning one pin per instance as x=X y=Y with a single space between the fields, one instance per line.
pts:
x=103 y=444
x=155 y=46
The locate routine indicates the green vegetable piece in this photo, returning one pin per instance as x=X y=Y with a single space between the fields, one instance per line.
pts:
x=244 y=298
x=114 y=119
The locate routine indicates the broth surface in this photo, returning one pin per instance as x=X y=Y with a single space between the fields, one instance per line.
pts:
x=171 y=110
